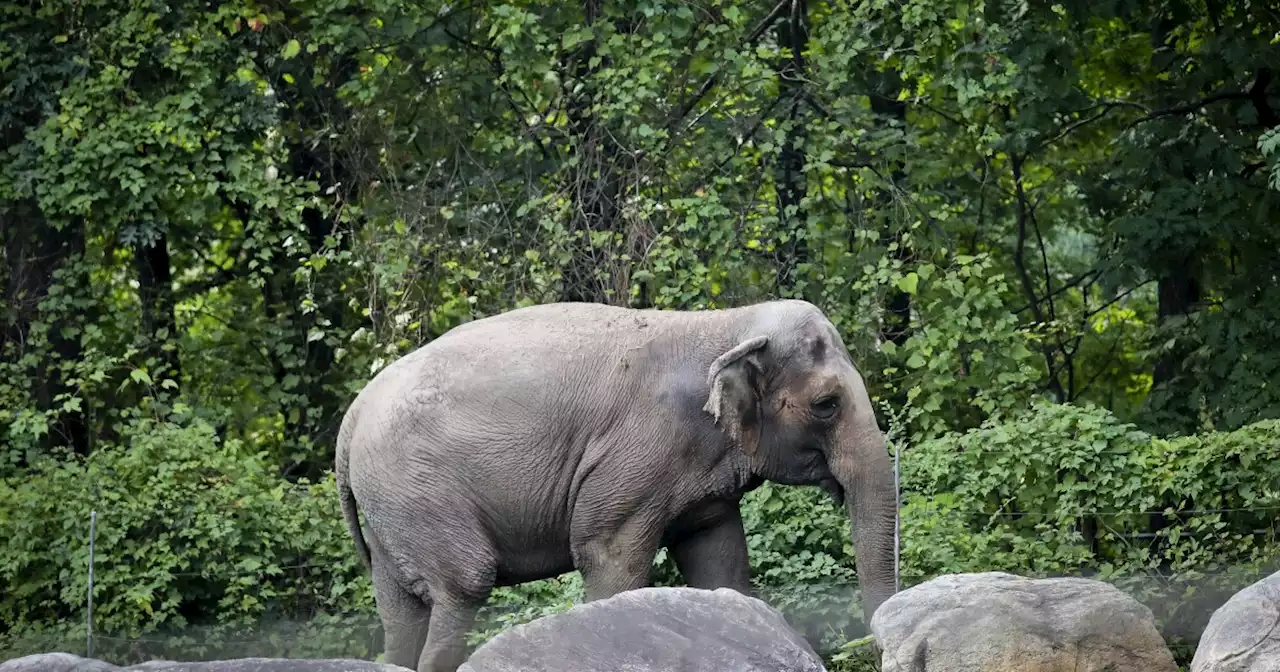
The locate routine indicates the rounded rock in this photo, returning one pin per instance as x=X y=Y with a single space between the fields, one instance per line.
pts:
x=999 y=622
x=1243 y=635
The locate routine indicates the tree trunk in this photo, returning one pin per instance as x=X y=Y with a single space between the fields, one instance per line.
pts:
x=155 y=292
x=596 y=183
x=34 y=253
x=897 y=323
x=791 y=182
x=1178 y=292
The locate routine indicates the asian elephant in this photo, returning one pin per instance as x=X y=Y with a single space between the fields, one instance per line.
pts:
x=583 y=436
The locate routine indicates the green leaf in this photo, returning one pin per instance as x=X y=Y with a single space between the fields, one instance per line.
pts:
x=909 y=283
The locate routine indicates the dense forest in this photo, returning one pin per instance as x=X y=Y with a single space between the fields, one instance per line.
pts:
x=1047 y=230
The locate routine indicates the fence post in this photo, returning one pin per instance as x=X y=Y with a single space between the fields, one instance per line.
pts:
x=93 y=530
x=897 y=521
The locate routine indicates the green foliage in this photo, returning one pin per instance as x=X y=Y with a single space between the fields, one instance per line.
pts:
x=521 y=604
x=802 y=562
x=854 y=656
x=188 y=526
x=1226 y=378
x=970 y=358
x=1070 y=490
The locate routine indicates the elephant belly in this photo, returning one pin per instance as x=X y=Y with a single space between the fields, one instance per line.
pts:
x=518 y=566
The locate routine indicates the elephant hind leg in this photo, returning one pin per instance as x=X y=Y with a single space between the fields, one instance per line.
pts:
x=446 y=571
x=446 y=646
x=459 y=583
x=405 y=619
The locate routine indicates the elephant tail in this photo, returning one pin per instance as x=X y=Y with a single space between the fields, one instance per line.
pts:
x=346 y=497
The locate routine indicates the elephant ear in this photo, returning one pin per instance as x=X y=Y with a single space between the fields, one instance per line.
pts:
x=734 y=400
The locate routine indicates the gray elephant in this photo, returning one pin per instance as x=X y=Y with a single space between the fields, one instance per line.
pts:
x=582 y=436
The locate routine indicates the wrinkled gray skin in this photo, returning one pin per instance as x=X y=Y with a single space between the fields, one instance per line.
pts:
x=584 y=436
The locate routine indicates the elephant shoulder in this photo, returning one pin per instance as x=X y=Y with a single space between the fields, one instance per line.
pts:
x=682 y=392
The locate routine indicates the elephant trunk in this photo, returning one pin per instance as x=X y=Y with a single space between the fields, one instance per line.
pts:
x=865 y=471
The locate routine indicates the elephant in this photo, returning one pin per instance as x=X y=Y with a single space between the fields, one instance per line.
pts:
x=584 y=436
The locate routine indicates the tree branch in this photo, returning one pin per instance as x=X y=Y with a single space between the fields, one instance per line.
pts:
x=1019 y=263
x=1104 y=109
x=222 y=277
x=1190 y=107
x=1110 y=357
x=1118 y=298
x=764 y=115
x=1065 y=287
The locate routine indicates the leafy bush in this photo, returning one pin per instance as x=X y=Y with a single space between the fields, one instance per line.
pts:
x=1070 y=490
x=801 y=560
x=191 y=531
x=198 y=537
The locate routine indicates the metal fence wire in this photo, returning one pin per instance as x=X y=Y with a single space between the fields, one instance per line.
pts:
x=844 y=594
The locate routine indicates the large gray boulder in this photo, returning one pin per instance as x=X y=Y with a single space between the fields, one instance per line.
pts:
x=998 y=622
x=653 y=630
x=65 y=662
x=56 y=662
x=267 y=665
x=1243 y=635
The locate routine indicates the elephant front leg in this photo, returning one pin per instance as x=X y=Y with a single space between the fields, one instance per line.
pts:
x=715 y=556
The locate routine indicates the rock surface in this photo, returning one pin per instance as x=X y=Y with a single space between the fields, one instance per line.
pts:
x=65 y=662
x=998 y=622
x=653 y=630
x=266 y=665
x=55 y=662
x=1243 y=635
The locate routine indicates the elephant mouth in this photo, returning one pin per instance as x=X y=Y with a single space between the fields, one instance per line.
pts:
x=833 y=488
x=821 y=467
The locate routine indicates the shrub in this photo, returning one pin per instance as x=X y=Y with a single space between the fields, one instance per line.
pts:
x=191 y=531
x=802 y=563
x=1070 y=490
x=199 y=537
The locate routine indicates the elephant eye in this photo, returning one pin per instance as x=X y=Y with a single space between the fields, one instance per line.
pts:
x=826 y=406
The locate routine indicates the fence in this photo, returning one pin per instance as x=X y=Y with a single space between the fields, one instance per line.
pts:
x=825 y=612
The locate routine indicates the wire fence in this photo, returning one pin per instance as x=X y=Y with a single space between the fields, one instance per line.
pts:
x=825 y=613
x=821 y=611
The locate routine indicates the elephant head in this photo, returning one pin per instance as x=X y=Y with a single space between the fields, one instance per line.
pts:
x=790 y=396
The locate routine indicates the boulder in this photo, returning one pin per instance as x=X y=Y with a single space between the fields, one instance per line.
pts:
x=266 y=665
x=1243 y=635
x=56 y=662
x=998 y=622
x=673 y=629
x=65 y=662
